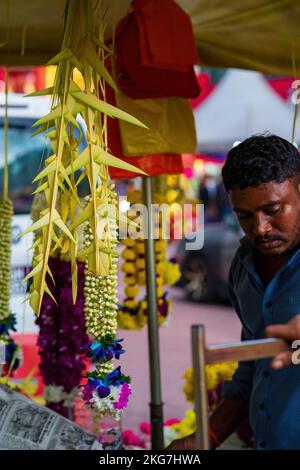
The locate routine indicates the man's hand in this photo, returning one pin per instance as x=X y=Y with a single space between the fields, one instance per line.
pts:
x=289 y=332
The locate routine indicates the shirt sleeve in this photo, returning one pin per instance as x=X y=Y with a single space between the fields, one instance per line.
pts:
x=240 y=386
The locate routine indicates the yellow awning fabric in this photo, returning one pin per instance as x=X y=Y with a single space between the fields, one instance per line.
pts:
x=37 y=24
x=253 y=34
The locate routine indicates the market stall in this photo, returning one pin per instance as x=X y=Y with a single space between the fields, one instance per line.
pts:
x=32 y=35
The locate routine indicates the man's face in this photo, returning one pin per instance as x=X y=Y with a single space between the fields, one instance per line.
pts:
x=269 y=215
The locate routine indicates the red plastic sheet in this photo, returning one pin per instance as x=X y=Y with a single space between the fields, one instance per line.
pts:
x=156 y=51
x=150 y=164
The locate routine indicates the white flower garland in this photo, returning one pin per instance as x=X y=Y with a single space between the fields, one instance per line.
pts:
x=101 y=304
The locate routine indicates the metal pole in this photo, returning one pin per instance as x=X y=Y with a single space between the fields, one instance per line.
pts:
x=200 y=390
x=156 y=405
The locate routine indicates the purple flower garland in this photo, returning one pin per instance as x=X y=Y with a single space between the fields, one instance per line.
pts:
x=62 y=332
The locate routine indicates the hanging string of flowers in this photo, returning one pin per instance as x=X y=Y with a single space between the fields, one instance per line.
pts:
x=107 y=388
x=62 y=331
x=128 y=315
x=133 y=312
x=6 y=213
x=62 y=334
x=7 y=318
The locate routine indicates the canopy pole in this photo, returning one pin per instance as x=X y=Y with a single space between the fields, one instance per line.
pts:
x=156 y=405
x=200 y=388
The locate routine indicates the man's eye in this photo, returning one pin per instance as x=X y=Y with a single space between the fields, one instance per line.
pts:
x=272 y=211
x=243 y=215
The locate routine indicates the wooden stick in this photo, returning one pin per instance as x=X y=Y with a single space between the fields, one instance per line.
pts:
x=202 y=354
x=244 y=351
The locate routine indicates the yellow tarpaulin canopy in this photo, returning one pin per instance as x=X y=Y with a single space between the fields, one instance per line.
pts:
x=254 y=34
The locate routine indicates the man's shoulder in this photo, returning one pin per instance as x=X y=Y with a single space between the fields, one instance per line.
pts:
x=244 y=249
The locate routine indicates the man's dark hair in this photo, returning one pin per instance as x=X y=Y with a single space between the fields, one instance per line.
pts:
x=260 y=159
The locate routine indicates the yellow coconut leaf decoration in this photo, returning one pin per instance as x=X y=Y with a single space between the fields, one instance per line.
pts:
x=83 y=50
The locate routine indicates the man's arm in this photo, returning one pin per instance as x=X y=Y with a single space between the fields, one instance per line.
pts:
x=229 y=414
x=234 y=407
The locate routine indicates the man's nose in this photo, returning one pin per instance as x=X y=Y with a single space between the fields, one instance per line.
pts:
x=261 y=225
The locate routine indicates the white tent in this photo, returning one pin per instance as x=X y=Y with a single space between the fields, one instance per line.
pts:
x=241 y=105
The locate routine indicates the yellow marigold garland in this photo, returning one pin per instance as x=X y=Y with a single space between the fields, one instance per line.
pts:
x=133 y=313
x=216 y=374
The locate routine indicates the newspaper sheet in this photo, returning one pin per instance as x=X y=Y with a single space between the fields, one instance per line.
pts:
x=24 y=425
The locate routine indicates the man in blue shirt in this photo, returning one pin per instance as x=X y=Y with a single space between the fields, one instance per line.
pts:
x=262 y=178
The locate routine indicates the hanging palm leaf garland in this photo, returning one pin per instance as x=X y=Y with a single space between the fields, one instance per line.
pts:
x=7 y=318
x=56 y=230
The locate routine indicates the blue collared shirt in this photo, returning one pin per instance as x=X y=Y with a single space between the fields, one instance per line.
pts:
x=273 y=395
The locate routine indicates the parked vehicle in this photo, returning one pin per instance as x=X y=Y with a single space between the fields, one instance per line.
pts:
x=26 y=156
x=205 y=272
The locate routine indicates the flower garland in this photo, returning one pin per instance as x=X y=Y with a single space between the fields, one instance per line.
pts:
x=216 y=374
x=61 y=337
x=7 y=319
x=107 y=389
x=133 y=312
